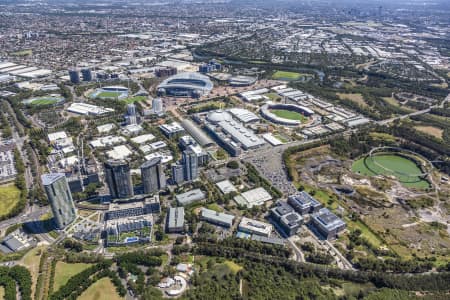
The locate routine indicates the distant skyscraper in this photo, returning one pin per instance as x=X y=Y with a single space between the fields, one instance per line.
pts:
x=177 y=173
x=74 y=76
x=118 y=178
x=87 y=74
x=153 y=177
x=60 y=198
x=157 y=106
x=190 y=165
x=131 y=114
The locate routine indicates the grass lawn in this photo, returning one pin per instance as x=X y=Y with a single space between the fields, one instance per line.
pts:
x=234 y=267
x=44 y=101
x=401 y=165
x=10 y=196
x=31 y=262
x=280 y=138
x=64 y=271
x=215 y=207
x=101 y=290
x=285 y=75
x=291 y=115
x=134 y=99
x=365 y=232
x=273 y=96
x=108 y=95
x=431 y=130
x=2 y=293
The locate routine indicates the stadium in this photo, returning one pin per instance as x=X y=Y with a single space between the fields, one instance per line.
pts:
x=45 y=100
x=111 y=92
x=192 y=85
x=286 y=114
x=408 y=167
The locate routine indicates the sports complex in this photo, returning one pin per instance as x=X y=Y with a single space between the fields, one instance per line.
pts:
x=44 y=100
x=187 y=84
x=286 y=114
x=408 y=167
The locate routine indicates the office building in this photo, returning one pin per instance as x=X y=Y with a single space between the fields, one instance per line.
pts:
x=148 y=205
x=74 y=76
x=327 y=223
x=157 y=106
x=175 y=220
x=153 y=177
x=190 y=165
x=177 y=173
x=303 y=203
x=118 y=178
x=216 y=218
x=286 y=218
x=131 y=116
x=172 y=129
x=86 y=74
x=60 y=199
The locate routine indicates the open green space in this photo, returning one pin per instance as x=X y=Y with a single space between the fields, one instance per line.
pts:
x=287 y=114
x=64 y=271
x=101 y=290
x=215 y=207
x=9 y=196
x=44 y=101
x=285 y=75
x=134 y=99
x=403 y=169
x=234 y=267
x=2 y=293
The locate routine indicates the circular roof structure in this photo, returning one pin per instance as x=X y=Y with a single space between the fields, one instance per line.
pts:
x=192 y=82
x=218 y=116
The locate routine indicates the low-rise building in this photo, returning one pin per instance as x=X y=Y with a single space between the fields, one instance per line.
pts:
x=190 y=197
x=216 y=218
x=175 y=220
x=255 y=197
x=171 y=129
x=255 y=227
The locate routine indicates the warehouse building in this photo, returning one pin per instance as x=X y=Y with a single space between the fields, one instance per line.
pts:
x=255 y=227
x=255 y=197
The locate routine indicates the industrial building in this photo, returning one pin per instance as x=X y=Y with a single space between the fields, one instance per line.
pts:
x=304 y=203
x=327 y=223
x=60 y=199
x=231 y=133
x=118 y=178
x=153 y=177
x=216 y=218
x=175 y=220
x=199 y=136
x=88 y=109
x=286 y=218
x=17 y=241
x=255 y=227
x=190 y=197
x=187 y=84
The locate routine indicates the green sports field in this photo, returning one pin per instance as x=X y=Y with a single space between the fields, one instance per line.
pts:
x=284 y=75
x=108 y=95
x=9 y=196
x=399 y=164
x=287 y=114
x=44 y=101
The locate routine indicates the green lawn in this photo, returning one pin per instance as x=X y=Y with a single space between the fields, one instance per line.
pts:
x=108 y=95
x=401 y=165
x=135 y=99
x=234 y=267
x=9 y=196
x=291 y=115
x=101 y=290
x=215 y=207
x=64 y=271
x=273 y=96
x=285 y=75
x=281 y=138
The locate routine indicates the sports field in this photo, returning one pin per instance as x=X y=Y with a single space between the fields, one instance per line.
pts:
x=287 y=114
x=285 y=75
x=9 y=196
x=108 y=95
x=101 y=290
x=401 y=165
x=64 y=271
